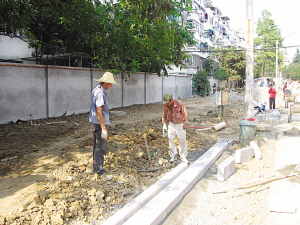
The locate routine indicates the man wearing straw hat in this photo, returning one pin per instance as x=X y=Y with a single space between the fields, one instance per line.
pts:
x=99 y=116
x=178 y=121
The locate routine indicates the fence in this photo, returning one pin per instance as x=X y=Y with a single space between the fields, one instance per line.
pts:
x=30 y=92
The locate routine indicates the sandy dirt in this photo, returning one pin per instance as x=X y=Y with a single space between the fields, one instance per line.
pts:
x=46 y=165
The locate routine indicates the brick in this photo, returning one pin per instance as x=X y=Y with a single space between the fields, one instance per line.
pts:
x=244 y=155
x=256 y=149
x=226 y=169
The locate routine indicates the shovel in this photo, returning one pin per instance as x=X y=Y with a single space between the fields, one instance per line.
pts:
x=151 y=169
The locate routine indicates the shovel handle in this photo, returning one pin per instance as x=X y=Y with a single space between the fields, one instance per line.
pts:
x=150 y=162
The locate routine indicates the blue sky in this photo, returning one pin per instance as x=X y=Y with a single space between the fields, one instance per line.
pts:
x=285 y=14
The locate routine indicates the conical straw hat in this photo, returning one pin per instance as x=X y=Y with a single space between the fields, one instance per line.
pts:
x=107 y=77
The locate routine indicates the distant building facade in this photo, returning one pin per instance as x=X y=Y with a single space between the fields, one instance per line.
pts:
x=212 y=30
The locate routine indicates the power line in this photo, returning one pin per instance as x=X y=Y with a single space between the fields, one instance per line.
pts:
x=242 y=50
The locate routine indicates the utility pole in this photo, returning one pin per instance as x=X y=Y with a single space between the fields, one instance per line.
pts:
x=278 y=81
x=276 y=60
x=249 y=62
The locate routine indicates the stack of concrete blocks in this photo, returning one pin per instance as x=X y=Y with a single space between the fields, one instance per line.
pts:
x=227 y=167
x=273 y=116
x=261 y=117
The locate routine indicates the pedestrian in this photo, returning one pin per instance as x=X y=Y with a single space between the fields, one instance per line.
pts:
x=175 y=111
x=284 y=87
x=214 y=88
x=99 y=117
x=272 y=96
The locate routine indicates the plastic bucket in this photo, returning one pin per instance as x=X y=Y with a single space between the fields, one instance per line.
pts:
x=248 y=129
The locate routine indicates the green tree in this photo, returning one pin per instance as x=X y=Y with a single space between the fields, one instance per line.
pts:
x=51 y=27
x=208 y=65
x=124 y=37
x=201 y=82
x=296 y=58
x=267 y=33
x=292 y=71
x=220 y=75
x=144 y=36
x=232 y=63
x=14 y=16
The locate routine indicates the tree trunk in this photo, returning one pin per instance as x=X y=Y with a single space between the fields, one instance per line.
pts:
x=263 y=68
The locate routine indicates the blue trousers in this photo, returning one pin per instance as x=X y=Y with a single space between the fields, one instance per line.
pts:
x=272 y=103
x=99 y=151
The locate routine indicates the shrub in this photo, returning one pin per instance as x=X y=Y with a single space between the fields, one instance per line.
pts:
x=201 y=82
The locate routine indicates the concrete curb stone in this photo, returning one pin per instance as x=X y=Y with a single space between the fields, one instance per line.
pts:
x=158 y=208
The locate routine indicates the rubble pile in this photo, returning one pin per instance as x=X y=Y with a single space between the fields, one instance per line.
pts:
x=71 y=193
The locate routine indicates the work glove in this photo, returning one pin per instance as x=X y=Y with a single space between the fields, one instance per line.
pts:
x=165 y=129
x=104 y=134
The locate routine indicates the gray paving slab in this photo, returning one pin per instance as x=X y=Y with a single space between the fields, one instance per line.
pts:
x=156 y=209
x=257 y=152
x=244 y=155
x=284 y=198
x=226 y=169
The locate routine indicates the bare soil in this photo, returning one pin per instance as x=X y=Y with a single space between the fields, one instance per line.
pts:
x=46 y=165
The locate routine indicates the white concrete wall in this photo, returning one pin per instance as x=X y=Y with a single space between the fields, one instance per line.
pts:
x=134 y=90
x=22 y=93
x=181 y=87
x=13 y=48
x=68 y=91
x=154 y=88
x=34 y=91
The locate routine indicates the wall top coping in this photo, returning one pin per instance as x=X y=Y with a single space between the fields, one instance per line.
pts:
x=75 y=68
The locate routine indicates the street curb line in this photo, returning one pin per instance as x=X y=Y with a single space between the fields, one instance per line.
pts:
x=132 y=207
x=158 y=208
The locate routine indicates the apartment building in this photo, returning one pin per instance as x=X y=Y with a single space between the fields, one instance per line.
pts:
x=212 y=30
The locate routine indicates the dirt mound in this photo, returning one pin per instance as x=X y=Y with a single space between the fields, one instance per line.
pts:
x=46 y=165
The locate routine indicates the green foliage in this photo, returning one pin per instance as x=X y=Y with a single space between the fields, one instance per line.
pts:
x=201 y=82
x=267 y=33
x=208 y=65
x=296 y=59
x=220 y=75
x=14 y=15
x=51 y=27
x=232 y=63
x=145 y=36
x=124 y=37
x=292 y=71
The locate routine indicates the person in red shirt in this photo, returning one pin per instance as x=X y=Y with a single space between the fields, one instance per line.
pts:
x=175 y=111
x=285 y=86
x=272 y=96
